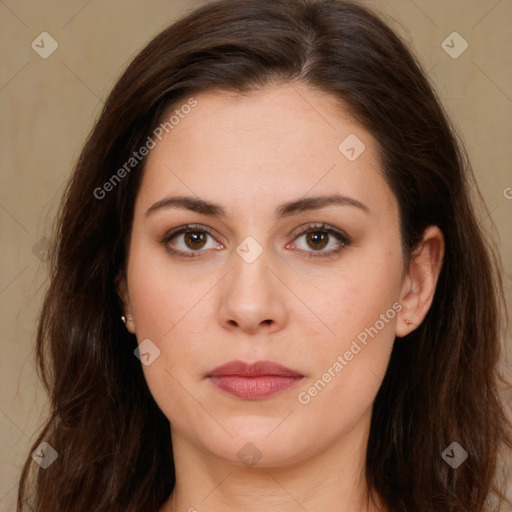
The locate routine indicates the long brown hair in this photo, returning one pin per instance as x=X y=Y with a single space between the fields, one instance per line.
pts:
x=442 y=385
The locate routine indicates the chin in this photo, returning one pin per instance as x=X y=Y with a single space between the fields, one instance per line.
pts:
x=258 y=443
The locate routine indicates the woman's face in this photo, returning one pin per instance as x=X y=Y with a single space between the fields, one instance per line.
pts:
x=245 y=283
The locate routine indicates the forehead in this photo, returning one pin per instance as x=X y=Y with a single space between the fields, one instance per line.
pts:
x=274 y=143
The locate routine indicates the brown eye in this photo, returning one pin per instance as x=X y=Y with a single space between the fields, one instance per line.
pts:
x=195 y=239
x=189 y=241
x=317 y=238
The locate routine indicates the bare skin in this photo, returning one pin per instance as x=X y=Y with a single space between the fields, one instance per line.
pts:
x=298 y=303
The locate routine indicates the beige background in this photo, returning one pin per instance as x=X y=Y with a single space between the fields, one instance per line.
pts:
x=49 y=105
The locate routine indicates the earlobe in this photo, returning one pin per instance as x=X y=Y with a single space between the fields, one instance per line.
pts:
x=420 y=281
x=128 y=321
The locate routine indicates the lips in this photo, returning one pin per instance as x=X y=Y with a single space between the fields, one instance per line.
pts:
x=253 y=381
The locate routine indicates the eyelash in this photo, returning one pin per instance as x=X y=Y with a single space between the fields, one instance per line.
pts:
x=343 y=238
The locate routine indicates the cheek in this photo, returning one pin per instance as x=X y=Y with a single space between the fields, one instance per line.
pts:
x=170 y=308
x=364 y=289
x=172 y=316
x=168 y=312
x=348 y=368
x=161 y=294
x=359 y=314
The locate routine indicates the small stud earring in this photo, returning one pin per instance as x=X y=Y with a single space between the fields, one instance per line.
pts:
x=124 y=318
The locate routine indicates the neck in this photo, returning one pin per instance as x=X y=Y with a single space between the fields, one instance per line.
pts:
x=332 y=479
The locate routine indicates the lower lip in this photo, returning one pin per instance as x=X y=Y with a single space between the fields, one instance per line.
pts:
x=254 y=388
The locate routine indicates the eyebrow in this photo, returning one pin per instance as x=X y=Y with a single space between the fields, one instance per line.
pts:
x=285 y=210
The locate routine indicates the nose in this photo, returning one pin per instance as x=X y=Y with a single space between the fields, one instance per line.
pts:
x=253 y=297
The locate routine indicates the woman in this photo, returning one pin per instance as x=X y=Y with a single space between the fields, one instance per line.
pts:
x=264 y=283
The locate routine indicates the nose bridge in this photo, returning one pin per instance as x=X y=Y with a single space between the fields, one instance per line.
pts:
x=252 y=294
x=251 y=275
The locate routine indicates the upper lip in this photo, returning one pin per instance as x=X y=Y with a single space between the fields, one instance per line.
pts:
x=254 y=369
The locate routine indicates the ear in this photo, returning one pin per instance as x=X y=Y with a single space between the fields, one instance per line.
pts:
x=419 y=284
x=124 y=295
